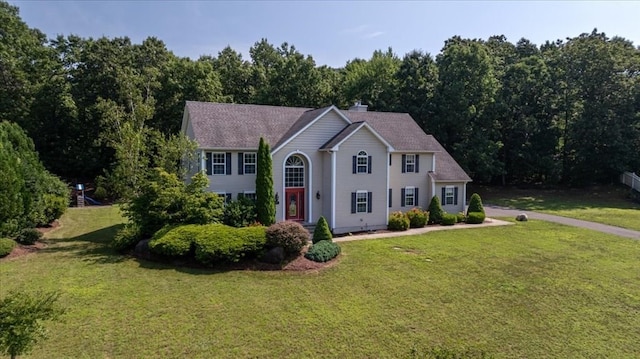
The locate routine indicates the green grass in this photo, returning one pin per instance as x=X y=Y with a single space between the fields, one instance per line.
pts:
x=606 y=204
x=528 y=290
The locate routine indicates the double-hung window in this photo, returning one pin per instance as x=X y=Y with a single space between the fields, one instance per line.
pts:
x=361 y=202
x=250 y=195
x=449 y=195
x=249 y=163
x=410 y=163
x=218 y=163
x=409 y=196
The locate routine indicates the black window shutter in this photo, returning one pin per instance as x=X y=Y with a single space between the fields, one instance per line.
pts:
x=390 y=199
x=369 y=202
x=240 y=163
x=240 y=195
x=402 y=193
x=353 y=202
x=417 y=163
x=228 y=162
x=390 y=155
x=355 y=159
x=455 y=195
x=404 y=162
x=369 y=167
x=415 y=197
x=443 y=194
x=227 y=197
x=209 y=164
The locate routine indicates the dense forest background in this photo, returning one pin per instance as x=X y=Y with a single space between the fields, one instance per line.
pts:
x=564 y=112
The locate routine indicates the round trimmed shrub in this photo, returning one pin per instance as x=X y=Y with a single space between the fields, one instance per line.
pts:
x=475 y=217
x=6 y=246
x=475 y=204
x=100 y=193
x=28 y=236
x=449 y=219
x=323 y=251
x=398 y=221
x=322 y=232
x=289 y=235
x=435 y=211
x=417 y=218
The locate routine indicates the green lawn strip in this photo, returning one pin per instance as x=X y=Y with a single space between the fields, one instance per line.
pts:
x=606 y=204
x=532 y=289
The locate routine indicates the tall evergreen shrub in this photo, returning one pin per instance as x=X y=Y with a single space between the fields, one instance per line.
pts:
x=265 y=203
x=435 y=211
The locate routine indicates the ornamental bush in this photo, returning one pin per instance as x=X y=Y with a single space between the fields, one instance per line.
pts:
x=461 y=218
x=6 y=246
x=322 y=232
x=174 y=242
x=28 y=236
x=435 y=211
x=289 y=235
x=240 y=213
x=398 y=221
x=323 y=251
x=417 y=218
x=217 y=243
x=475 y=204
x=449 y=219
x=475 y=217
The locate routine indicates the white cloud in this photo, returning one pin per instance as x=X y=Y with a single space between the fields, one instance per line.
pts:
x=373 y=34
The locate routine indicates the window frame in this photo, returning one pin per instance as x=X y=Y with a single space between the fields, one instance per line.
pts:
x=362 y=162
x=226 y=196
x=409 y=193
x=251 y=193
x=362 y=194
x=407 y=164
x=246 y=164
x=214 y=163
x=449 y=195
x=294 y=173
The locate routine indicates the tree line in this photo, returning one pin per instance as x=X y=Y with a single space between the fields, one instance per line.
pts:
x=567 y=111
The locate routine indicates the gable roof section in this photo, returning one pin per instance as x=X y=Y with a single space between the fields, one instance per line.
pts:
x=447 y=169
x=234 y=126
x=343 y=135
x=398 y=129
x=307 y=119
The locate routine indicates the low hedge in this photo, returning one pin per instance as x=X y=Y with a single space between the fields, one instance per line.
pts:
x=323 y=251
x=210 y=243
x=398 y=221
x=475 y=217
x=219 y=243
x=6 y=246
x=461 y=218
x=449 y=219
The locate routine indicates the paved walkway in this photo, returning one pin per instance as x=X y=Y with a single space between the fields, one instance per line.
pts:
x=489 y=222
x=495 y=211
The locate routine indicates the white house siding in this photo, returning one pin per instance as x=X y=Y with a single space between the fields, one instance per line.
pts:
x=307 y=144
x=234 y=183
x=460 y=207
x=420 y=180
x=348 y=182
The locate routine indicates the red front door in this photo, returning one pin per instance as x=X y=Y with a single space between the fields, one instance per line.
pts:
x=294 y=204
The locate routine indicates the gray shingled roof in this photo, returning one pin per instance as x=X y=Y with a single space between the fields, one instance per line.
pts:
x=235 y=126
x=341 y=135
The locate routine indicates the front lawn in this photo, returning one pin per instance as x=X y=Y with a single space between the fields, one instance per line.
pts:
x=604 y=204
x=528 y=290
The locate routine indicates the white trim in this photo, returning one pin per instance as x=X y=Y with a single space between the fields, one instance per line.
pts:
x=464 y=197
x=366 y=165
x=203 y=162
x=333 y=189
x=433 y=164
x=386 y=205
x=413 y=191
x=332 y=107
x=244 y=163
x=446 y=194
x=185 y=120
x=307 y=189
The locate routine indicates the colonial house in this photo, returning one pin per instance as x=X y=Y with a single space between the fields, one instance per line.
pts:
x=353 y=167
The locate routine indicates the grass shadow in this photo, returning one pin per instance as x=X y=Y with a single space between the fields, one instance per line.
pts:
x=91 y=246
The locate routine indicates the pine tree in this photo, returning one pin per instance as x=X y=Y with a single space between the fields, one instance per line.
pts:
x=265 y=204
x=322 y=232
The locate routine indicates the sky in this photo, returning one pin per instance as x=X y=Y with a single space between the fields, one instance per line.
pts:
x=332 y=32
